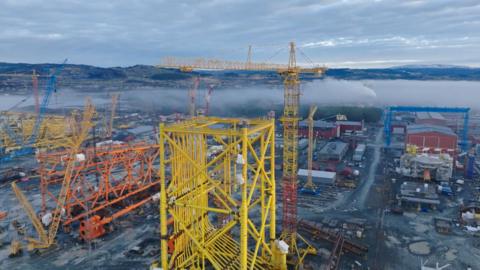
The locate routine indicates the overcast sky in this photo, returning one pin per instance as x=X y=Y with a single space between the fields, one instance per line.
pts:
x=356 y=33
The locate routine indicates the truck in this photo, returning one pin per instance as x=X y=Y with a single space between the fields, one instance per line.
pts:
x=359 y=152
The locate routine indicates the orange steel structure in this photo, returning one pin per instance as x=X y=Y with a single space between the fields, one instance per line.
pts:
x=107 y=183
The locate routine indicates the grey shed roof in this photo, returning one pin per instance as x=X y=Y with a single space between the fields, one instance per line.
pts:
x=350 y=123
x=317 y=124
x=335 y=147
x=430 y=115
x=415 y=129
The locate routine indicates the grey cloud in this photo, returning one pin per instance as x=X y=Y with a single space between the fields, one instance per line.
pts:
x=110 y=33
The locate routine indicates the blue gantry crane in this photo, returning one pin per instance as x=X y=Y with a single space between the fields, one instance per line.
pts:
x=462 y=110
x=27 y=147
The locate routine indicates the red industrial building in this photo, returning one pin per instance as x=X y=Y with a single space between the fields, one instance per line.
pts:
x=321 y=129
x=432 y=138
x=349 y=126
x=328 y=130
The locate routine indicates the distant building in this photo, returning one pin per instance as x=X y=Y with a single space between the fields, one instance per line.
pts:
x=329 y=130
x=321 y=129
x=432 y=138
x=333 y=151
x=349 y=126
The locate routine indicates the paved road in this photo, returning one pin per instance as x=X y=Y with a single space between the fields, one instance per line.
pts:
x=365 y=188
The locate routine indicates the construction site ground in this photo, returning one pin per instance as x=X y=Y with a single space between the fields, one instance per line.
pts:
x=393 y=241
x=132 y=245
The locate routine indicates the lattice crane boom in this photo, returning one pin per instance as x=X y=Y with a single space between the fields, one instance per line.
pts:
x=43 y=238
x=309 y=183
x=188 y=65
x=80 y=134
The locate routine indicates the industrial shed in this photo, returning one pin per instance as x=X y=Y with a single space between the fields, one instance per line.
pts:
x=349 y=126
x=321 y=129
x=432 y=138
x=333 y=151
x=319 y=177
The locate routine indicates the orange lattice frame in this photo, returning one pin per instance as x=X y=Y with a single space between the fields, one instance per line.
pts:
x=108 y=182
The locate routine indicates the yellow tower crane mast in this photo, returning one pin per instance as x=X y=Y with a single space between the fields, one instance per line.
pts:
x=309 y=185
x=290 y=121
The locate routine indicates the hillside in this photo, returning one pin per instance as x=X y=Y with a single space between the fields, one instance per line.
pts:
x=90 y=78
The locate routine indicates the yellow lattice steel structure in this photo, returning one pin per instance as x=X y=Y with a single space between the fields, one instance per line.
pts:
x=52 y=133
x=211 y=169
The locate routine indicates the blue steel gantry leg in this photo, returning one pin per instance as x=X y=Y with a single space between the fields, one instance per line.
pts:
x=387 y=126
x=464 y=142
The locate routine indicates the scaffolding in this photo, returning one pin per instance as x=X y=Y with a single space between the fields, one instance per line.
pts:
x=218 y=169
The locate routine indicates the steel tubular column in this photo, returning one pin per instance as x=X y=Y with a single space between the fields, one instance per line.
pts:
x=217 y=169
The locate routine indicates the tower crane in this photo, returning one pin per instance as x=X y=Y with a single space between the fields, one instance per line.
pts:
x=192 y=93
x=112 y=115
x=309 y=187
x=80 y=133
x=35 y=91
x=208 y=96
x=291 y=81
x=249 y=58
